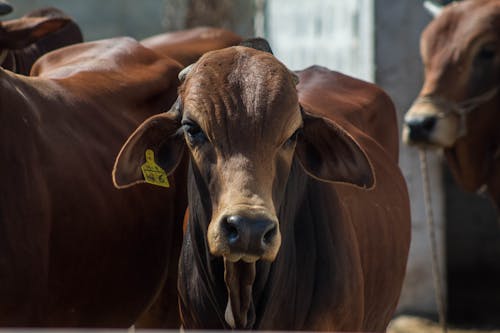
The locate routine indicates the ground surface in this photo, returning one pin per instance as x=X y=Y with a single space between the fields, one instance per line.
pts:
x=410 y=324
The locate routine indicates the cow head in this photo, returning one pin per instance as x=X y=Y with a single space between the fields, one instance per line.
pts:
x=24 y=40
x=239 y=117
x=22 y=32
x=457 y=108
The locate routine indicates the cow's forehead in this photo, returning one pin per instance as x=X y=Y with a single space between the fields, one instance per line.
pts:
x=239 y=88
x=460 y=25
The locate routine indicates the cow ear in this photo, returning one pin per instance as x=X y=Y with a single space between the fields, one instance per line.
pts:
x=328 y=153
x=257 y=43
x=158 y=136
x=19 y=33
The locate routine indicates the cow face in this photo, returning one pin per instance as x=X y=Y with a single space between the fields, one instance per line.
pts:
x=239 y=117
x=240 y=121
x=457 y=108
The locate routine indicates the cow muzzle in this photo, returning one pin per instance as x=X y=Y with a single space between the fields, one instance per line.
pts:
x=246 y=237
x=427 y=125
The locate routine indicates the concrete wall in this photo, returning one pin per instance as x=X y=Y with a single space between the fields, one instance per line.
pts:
x=105 y=18
x=235 y=15
x=140 y=19
x=399 y=71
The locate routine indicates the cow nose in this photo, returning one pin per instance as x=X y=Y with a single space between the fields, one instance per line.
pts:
x=250 y=236
x=5 y=7
x=420 y=128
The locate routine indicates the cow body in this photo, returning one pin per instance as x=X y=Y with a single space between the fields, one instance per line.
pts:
x=457 y=108
x=186 y=46
x=298 y=219
x=24 y=40
x=343 y=253
x=74 y=251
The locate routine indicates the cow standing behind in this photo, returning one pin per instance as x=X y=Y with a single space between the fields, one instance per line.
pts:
x=299 y=220
x=75 y=251
x=187 y=46
x=458 y=106
x=24 y=40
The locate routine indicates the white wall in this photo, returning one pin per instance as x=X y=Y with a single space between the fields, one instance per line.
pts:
x=337 y=34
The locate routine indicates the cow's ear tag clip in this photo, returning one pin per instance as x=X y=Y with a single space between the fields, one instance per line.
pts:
x=152 y=172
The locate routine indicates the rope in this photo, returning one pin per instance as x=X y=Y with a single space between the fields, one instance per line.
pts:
x=436 y=272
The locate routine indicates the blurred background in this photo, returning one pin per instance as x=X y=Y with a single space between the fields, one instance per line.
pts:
x=375 y=40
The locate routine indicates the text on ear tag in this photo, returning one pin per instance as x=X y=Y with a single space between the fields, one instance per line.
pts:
x=152 y=172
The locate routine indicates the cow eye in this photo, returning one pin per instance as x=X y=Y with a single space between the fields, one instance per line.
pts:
x=290 y=142
x=194 y=133
x=486 y=53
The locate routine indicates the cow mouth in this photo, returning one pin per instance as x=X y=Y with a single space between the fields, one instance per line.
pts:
x=239 y=277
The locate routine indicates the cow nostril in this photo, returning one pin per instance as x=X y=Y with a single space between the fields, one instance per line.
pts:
x=248 y=235
x=269 y=235
x=230 y=229
x=421 y=128
x=428 y=123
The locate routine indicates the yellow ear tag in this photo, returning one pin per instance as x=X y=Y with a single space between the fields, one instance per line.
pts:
x=152 y=172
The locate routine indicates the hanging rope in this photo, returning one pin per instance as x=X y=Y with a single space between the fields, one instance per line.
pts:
x=436 y=272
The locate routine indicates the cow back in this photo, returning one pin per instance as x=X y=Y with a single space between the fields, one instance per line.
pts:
x=186 y=46
x=360 y=103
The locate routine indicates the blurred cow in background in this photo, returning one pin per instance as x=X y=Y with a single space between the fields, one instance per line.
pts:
x=458 y=108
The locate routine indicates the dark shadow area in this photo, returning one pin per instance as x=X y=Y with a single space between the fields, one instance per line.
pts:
x=473 y=258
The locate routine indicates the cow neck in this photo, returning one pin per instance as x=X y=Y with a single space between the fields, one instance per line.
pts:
x=202 y=291
x=19 y=132
x=282 y=292
x=21 y=176
x=16 y=111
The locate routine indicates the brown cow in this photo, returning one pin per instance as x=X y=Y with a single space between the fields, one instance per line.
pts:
x=24 y=40
x=186 y=46
x=458 y=106
x=298 y=219
x=75 y=251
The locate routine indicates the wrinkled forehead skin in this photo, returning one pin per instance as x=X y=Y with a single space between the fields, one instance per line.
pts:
x=450 y=37
x=239 y=93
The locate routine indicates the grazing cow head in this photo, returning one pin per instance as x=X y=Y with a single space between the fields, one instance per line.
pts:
x=24 y=40
x=21 y=32
x=239 y=117
x=458 y=106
